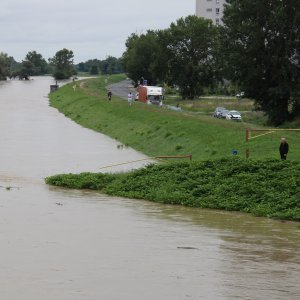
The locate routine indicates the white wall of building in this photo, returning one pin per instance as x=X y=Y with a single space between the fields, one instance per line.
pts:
x=210 y=9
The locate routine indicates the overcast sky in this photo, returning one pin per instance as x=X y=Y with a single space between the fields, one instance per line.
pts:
x=90 y=28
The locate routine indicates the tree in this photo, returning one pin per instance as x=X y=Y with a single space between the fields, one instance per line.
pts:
x=34 y=64
x=141 y=57
x=4 y=66
x=111 y=65
x=81 y=67
x=261 y=44
x=94 y=70
x=190 y=44
x=14 y=67
x=27 y=70
x=63 y=64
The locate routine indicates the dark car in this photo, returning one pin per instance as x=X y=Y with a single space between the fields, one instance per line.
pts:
x=224 y=113
x=218 y=111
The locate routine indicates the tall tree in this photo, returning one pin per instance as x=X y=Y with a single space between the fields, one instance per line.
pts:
x=4 y=66
x=111 y=65
x=63 y=64
x=141 y=57
x=34 y=64
x=14 y=67
x=94 y=70
x=190 y=44
x=182 y=55
x=261 y=41
x=27 y=70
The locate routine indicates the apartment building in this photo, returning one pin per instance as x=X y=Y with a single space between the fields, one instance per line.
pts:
x=210 y=9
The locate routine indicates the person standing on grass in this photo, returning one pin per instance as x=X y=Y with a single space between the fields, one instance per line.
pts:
x=129 y=97
x=109 y=94
x=283 y=148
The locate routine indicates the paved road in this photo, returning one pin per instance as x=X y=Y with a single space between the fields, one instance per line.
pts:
x=121 y=89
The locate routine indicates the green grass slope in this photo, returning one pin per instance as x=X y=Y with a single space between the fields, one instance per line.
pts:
x=157 y=131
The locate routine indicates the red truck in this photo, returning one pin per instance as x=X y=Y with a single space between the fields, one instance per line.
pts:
x=149 y=94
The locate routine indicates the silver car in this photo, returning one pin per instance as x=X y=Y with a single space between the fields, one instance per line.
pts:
x=234 y=115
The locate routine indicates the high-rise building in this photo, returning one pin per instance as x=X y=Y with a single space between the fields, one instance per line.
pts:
x=210 y=9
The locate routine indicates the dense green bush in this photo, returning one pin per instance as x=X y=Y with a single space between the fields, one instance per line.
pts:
x=268 y=188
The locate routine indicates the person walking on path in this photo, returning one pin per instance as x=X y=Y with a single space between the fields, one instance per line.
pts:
x=283 y=148
x=129 y=98
x=109 y=94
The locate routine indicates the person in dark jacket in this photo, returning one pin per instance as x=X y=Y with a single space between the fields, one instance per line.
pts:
x=109 y=94
x=283 y=148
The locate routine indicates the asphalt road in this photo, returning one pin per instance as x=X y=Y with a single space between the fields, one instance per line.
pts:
x=121 y=89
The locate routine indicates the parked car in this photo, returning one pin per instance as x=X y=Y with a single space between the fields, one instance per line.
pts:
x=218 y=111
x=224 y=113
x=234 y=115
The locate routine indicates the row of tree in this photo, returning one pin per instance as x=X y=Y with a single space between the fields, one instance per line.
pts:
x=110 y=65
x=257 y=49
x=61 y=66
x=182 y=55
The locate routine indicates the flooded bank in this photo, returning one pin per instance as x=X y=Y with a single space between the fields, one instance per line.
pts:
x=69 y=245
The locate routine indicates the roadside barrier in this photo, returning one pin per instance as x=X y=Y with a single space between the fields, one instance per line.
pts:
x=190 y=156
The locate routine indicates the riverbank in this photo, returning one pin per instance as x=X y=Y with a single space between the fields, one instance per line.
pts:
x=263 y=185
x=263 y=188
x=157 y=131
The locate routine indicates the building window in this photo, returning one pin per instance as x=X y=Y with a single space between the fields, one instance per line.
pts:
x=217 y=11
x=217 y=21
x=217 y=1
x=209 y=9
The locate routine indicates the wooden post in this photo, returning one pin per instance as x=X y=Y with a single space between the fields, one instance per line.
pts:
x=247 y=140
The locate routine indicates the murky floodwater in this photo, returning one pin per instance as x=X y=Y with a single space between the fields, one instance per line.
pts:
x=61 y=244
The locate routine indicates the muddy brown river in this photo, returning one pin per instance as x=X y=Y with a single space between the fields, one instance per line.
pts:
x=59 y=244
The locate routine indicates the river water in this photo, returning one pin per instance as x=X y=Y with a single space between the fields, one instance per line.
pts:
x=59 y=244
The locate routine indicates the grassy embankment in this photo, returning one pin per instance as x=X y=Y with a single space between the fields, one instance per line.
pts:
x=265 y=188
x=155 y=131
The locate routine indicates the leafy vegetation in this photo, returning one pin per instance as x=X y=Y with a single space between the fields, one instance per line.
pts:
x=269 y=188
x=33 y=65
x=63 y=64
x=182 y=55
x=256 y=51
x=190 y=45
x=110 y=65
x=261 y=42
x=4 y=65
